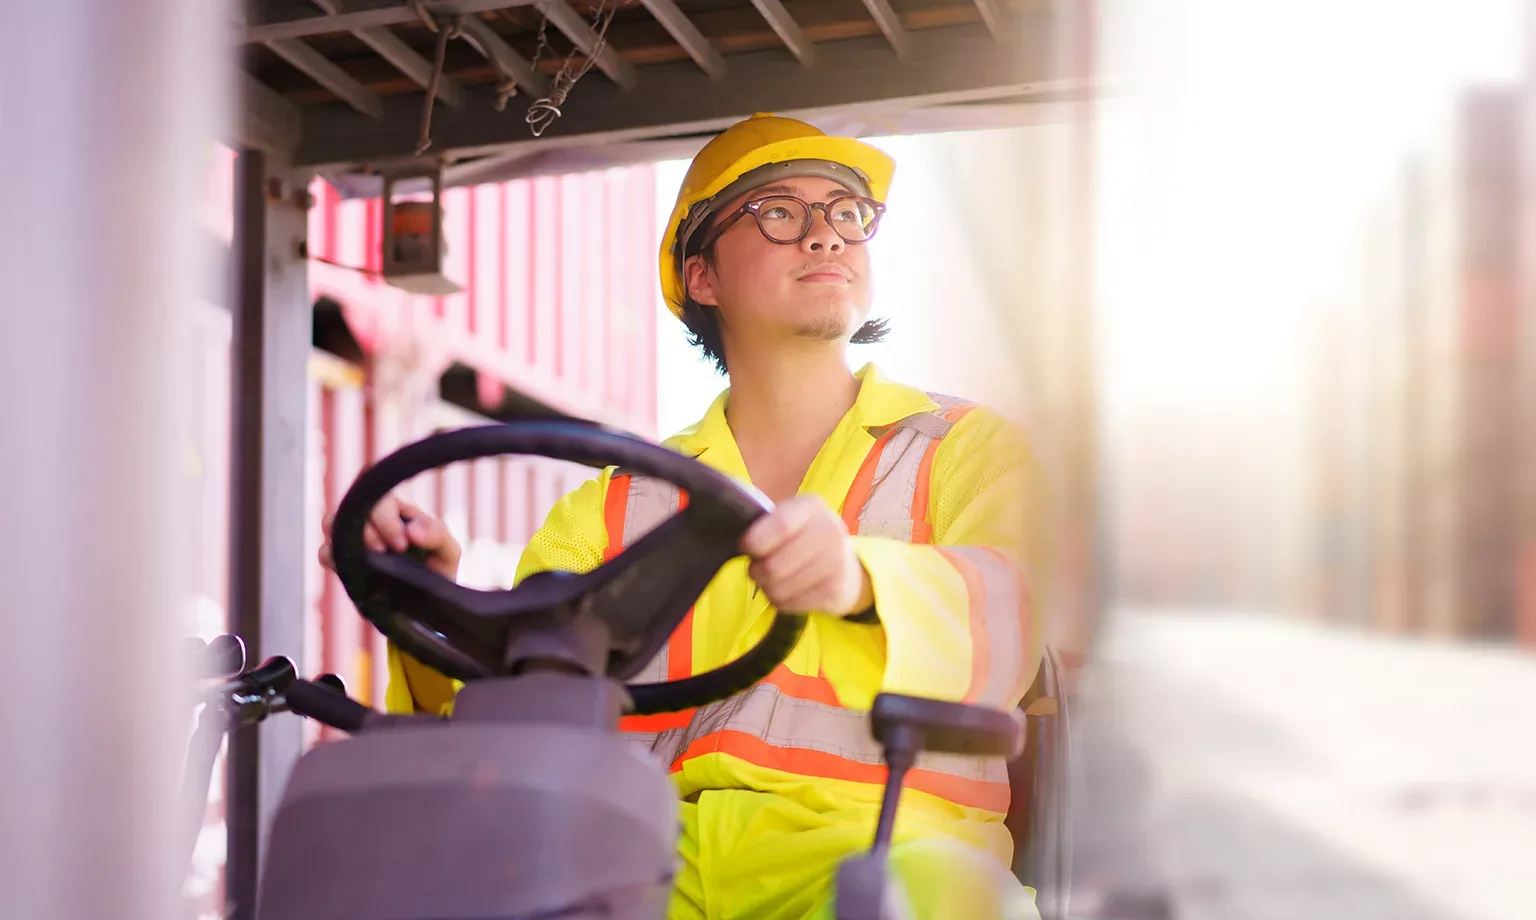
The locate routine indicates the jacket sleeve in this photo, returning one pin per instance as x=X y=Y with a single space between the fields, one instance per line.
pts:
x=572 y=539
x=962 y=616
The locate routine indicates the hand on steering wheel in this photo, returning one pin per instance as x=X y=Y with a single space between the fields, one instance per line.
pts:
x=640 y=596
x=395 y=525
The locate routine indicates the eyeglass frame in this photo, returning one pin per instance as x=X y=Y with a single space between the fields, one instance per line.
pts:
x=752 y=207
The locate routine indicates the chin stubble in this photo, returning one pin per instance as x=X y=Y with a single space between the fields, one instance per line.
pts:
x=825 y=329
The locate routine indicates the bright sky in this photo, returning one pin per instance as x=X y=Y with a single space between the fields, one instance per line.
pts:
x=1231 y=179
x=1260 y=129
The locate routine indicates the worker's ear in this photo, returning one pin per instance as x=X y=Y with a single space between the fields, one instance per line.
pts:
x=699 y=276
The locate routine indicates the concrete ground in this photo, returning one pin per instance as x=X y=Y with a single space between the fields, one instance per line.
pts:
x=1262 y=768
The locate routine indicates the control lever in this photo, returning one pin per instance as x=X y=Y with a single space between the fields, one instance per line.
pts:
x=325 y=700
x=245 y=700
x=906 y=726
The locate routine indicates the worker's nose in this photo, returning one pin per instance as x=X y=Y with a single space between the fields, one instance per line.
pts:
x=821 y=237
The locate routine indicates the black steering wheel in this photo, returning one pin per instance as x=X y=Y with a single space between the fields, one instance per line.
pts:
x=641 y=595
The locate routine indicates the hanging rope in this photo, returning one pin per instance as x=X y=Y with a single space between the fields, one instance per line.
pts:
x=439 y=55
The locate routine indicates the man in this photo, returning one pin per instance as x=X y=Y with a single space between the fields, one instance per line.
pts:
x=905 y=522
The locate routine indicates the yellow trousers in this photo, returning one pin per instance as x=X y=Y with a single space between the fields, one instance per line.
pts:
x=761 y=856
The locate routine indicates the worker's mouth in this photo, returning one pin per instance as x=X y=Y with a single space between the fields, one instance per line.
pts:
x=826 y=275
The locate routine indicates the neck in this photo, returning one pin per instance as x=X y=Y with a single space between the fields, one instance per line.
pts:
x=789 y=393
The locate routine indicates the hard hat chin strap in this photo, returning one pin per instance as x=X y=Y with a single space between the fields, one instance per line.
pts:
x=767 y=174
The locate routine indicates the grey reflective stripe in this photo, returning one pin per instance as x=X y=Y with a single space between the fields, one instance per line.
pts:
x=783 y=721
x=666 y=746
x=887 y=512
x=651 y=501
x=1004 y=621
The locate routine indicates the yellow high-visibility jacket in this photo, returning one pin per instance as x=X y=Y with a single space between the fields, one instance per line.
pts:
x=946 y=504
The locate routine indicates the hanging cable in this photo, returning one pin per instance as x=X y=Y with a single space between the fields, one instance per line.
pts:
x=543 y=112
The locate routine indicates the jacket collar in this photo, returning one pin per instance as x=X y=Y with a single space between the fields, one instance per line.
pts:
x=881 y=402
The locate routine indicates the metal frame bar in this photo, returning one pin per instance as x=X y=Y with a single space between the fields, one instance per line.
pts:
x=329 y=75
x=266 y=120
x=943 y=66
x=788 y=31
x=682 y=29
x=371 y=13
x=269 y=353
x=890 y=24
x=404 y=58
x=570 y=22
x=499 y=53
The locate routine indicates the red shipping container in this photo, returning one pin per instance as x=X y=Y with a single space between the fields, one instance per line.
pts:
x=559 y=290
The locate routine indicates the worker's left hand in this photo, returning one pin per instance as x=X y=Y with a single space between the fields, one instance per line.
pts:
x=803 y=559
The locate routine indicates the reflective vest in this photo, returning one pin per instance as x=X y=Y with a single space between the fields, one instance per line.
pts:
x=948 y=507
x=793 y=722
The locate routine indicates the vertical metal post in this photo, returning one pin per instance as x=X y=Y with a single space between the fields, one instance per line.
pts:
x=109 y=109
x=270 y=351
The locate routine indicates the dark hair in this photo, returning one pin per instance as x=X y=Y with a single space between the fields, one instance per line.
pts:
x=703 y=321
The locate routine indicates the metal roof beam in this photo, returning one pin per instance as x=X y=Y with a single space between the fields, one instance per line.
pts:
x=688 y=36
x=581 y=35
x=789 y=33
x=405 y=59
x=266 y=120
x=501 y=55
x=889 y=23
x=325 y=72
x=942 y=66
x=368 y=14
x=992 y=15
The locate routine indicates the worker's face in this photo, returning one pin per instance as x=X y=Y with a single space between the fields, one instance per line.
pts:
x=817 y=288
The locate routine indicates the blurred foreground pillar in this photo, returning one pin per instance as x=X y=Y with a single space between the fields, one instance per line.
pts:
x=107 y=109
x=1525 y=325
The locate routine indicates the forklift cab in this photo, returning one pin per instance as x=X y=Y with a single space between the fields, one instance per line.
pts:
x=529 y=801
x=394 y=99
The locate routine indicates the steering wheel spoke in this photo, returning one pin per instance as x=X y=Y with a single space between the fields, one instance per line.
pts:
x=648 y=589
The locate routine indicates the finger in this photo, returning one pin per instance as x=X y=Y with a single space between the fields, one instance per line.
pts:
x=792 y=589
x=408 y=511
x=793 y=558
x=817 y=596
x=428 y=533
x=326 y=523
x=372 y=540
x=771 y=531
x=325 y=557
x=386 y=517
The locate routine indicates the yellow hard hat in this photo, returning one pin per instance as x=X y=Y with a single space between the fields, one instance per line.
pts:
x=749 y=154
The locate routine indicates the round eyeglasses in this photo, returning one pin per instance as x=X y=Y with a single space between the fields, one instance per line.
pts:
x=787 y=219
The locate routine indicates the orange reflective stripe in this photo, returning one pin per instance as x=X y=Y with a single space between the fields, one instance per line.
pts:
x=922 y=529
x=660 y=722
x=858 y=493
x=804 y=687
x=615 y=506
x=680 y=649
x=973 y=793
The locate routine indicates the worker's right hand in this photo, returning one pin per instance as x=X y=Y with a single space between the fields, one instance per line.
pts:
x=396 y=525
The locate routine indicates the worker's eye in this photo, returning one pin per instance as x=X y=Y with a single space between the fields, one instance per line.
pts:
x=777 y=212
